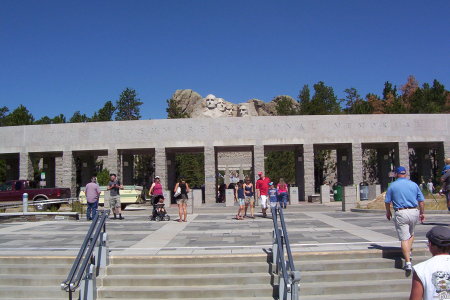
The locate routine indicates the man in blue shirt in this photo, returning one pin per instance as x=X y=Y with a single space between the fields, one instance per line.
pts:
x=406 y=198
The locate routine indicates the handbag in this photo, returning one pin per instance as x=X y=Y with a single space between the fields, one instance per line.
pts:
x=178 y=192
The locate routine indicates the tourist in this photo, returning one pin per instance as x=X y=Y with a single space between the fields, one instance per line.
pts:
x=262 y=187
x=181 y=191
x=222 y=191
x=156 y=188
x=249 y=197
x=282 y=193
x=430 y=186
x=273 y=195
x=241 y=199
x=405 y=196
x=445 y=179
x=92 y=192
x=114 y=186
x=431 y=279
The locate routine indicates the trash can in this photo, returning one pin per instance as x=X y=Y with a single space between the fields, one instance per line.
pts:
x=337 y=191
x=363 y=191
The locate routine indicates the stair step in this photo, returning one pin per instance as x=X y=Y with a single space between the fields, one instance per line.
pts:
x=62 y=270
x=189 y=259
x=187 y=280
x=37 y=260
x=352 y=264
x=349 y=275
x=359 y=296
x=204 y=291
x=187 y=269
x=30 y=280
x=32 y=292
x=356 y=287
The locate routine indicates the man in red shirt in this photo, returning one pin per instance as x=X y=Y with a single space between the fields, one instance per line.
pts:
x=262 y=189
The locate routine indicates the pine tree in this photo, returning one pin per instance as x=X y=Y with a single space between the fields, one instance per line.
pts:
x=128 y=106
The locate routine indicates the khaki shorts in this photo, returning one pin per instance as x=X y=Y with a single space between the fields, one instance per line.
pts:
x=114 y=201
x=405 y=221
x=183 y=199
x=249 y=200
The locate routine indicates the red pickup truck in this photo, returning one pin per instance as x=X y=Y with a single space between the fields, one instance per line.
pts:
x=12 y=191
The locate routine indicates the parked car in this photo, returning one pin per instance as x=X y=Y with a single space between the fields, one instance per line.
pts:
x=130 y=194
x=12 y=192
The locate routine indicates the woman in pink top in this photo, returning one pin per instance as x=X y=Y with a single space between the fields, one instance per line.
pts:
x=156 y=188
x=282 y=193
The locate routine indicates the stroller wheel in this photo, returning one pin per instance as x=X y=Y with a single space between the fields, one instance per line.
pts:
x=157 y=219
x=166 y=218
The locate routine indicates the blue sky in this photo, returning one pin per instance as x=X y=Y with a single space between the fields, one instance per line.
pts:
x=64 y=56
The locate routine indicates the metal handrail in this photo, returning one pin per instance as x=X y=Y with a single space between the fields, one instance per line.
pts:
x=289 y=277
x=13 y=204
x=85 y=256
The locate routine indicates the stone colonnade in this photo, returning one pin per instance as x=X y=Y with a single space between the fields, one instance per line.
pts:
x=349 y=162
x=65 y=149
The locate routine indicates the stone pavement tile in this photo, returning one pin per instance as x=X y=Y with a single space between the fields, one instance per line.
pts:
x=211 y=251
x=182 y=251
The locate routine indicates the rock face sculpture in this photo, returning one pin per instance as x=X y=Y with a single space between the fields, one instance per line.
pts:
x=210 y=106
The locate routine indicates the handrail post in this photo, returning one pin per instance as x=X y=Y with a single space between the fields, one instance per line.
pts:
x=288 y=278
x=102 y=253
x=93 y=254
x=88 y=290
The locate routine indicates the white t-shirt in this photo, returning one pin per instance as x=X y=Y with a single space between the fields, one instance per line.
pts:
x=434 y=274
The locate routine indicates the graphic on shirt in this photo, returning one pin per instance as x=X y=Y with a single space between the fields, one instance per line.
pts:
x=441 y=282
x=273 y=195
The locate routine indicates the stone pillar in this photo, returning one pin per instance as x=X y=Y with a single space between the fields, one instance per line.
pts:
x=25 y=166
x=308 y=170
x=210 y=175
x=324 y=193
x=229 y=197
x=197 y=198
x=357 y=165
x=299 y=174
x=69 y=172
x=446 y=149
x=59 y=171
x=112 y=162
x=161 y=166
x=350 y=198
x=258 y=159
x=374 y=191
x=403 y=156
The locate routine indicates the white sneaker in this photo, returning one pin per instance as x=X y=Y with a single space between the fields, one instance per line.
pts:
x=408 y=267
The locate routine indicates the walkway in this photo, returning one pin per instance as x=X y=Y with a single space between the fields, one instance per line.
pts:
x=212 y=231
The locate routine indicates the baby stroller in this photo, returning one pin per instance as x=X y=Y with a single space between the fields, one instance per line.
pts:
x=159 y=212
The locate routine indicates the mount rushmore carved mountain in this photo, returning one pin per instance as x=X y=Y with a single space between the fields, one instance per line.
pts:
x=195 y=106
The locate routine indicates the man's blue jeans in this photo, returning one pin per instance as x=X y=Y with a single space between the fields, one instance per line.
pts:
x=91 y=208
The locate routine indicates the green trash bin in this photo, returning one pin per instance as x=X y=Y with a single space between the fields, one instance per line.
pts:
x=337 y=192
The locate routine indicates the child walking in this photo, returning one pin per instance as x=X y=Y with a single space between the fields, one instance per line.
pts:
x=273 y=195
x=241 y=199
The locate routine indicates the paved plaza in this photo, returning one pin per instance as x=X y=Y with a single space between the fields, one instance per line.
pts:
x=213 y=231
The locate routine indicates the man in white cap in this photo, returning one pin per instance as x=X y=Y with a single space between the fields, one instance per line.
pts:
x=406 y=197
x=431 y=279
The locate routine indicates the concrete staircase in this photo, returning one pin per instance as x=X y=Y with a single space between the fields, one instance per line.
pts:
x=33 y=277
x=325 y=275
x=188 y=277
x=369 y=275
